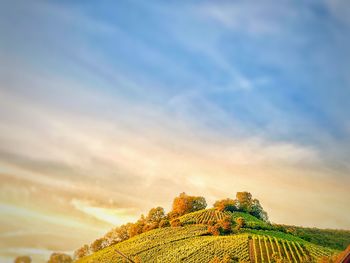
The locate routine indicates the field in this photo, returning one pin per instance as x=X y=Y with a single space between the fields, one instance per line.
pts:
x=262 y=249
x=211 y=215
x=203 y=217
x=191 y=243
x=180 y=244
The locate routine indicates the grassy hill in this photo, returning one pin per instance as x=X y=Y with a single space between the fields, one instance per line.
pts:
x=234 y=230
x=256 y=242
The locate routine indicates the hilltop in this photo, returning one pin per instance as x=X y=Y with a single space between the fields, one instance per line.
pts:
x=234 y=230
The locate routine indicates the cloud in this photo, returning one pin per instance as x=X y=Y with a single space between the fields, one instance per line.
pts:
x=113 y=216
x=107 y=117
x=259 y=19
x=339 y=9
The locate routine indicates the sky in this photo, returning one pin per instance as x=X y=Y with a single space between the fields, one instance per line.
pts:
x=110 y=108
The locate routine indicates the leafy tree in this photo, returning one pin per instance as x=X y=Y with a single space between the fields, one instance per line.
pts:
x=121 y=233
x=225 y=225
x=247 y=204
x=244 y=201
x=23 y=259
x=137 y=228
x=257 y=210
x=60 y=258
x=150 y=226
x=226 y=205
x=164 y=223
x=198 y=203
x=98 y=244
x=184 y=204
x=155 y=215
x=81 y=252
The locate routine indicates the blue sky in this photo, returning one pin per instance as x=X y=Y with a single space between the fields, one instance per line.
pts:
x=207 y=97
x=261 y=65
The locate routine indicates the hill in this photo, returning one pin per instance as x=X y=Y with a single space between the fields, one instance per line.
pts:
x=234 y=230
x=192 y=243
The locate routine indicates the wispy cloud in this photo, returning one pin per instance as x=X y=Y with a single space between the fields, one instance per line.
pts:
x=209 y=99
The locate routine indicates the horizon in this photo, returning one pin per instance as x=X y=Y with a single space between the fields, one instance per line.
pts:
x=110 y=109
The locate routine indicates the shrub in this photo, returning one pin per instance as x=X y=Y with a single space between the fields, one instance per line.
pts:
x=176 y=223
x=240 y=223
x=226 y=205
x=214 y=230
x=164 y=223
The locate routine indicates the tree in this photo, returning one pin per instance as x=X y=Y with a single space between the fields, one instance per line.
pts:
x=198 y=203
x=138 y=227
x=81 y=252
x=244 y=201
x=225 y=225
x=155 y=215
x=184 y=204
x=226 y=205
x=23 y=259
x=164 y=223
x=121 y=233
x=60 y=258
x=257 y=210
x=98 y=244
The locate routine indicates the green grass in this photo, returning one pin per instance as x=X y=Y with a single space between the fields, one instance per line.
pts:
x=336 y=239
x=250 y=221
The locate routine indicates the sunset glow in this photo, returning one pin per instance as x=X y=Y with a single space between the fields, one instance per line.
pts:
x=108 y=109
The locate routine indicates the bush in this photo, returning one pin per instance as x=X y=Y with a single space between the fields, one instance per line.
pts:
x=176 y=223
x=240 y=223
x=221 y=227
x=164 y=223
x=226 y=205
x=214 y=230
